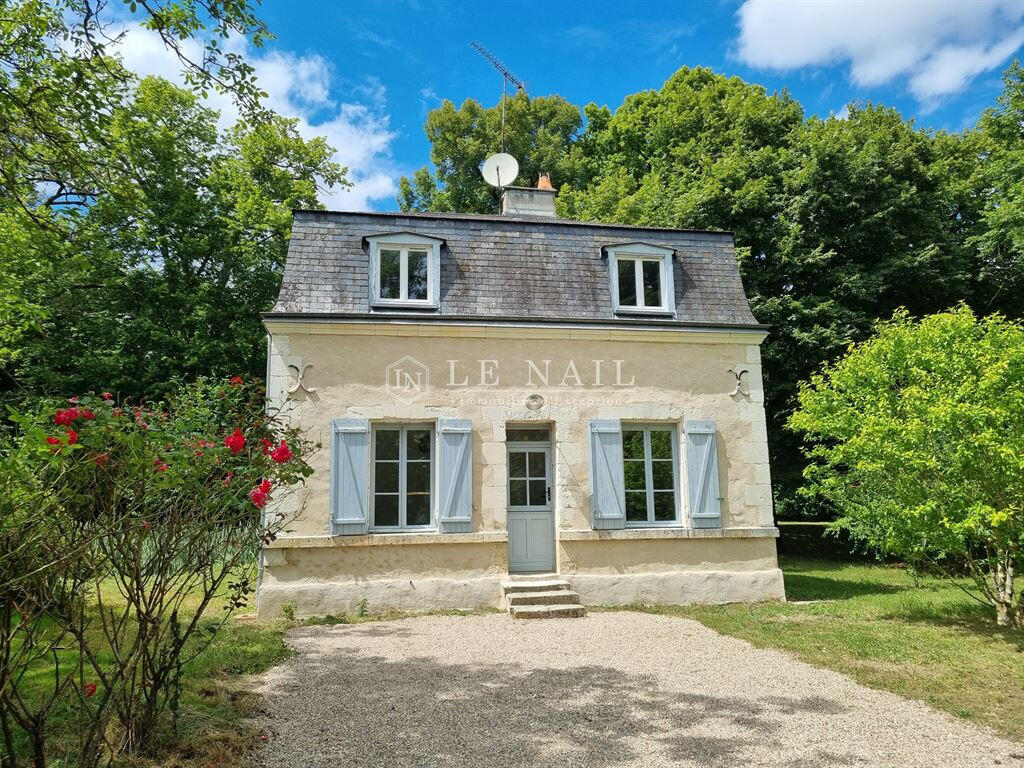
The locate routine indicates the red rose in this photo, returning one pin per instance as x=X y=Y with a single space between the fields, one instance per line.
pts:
x=87 y=414
x=227 y=478
x=282 y=453
x=72 y=413
x=107 y=396
x=258 y=498
x=159 y=465
x=235 y=441
x=72 y=437
x=264 y=486
x=100 y=459
x=236 y=381
x=53 y=440
x=267 y=445
x=73 y=400
x=63 y=418
x=89 y=690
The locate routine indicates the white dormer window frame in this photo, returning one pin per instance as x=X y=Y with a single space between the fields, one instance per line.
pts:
x=402 y=249
x=637 y=255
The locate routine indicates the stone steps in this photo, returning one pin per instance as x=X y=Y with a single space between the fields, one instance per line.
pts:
x=541 y=597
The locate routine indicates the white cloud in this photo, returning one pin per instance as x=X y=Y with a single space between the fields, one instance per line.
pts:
x=937 y=45
x=300 y=87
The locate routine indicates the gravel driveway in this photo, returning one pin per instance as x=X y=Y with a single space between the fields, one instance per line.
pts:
x=613 y=689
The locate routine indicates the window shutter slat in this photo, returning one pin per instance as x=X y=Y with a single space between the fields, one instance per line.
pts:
x=702 y=474
x=456 y=463
x=350 y=473
x=607 y=481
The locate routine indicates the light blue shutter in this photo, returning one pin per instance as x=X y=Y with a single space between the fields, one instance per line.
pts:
x=456 y=462
x=350 y=474
x=607 y=483
x=702 y=474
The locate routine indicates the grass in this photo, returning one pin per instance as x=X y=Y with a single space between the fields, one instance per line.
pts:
x=925 y=640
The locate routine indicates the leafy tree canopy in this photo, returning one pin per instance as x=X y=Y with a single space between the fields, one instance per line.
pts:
x=917 y=437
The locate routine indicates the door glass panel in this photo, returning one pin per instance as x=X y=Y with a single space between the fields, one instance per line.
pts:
x=636 y=505
x=538 y=492
x=517 y=464
x=661 y=473
x=385 y=509
x=661 y=444
x=632 y=444
x=627 y=282
x=390 y=274
x=417 y=509
x=652 y=283
x=635 y=478
x=417 y=275
x=538 y=466
x=526 y=435
x=664 y=506
x=517 y=493
x=387 y=443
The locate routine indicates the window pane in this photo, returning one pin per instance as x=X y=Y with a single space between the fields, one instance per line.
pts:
x=417 y=444
x=661 y=444
x=417 y=509
x=417 y=477
x=632 y=444
x=526 y=435
x=387 y=443
x=390 y=274
x=517 y=493
x=385 y=478
x=664 y=506
x=538 y=465
x=538 y=493
x=385 y=509
x=636 y=505
x=417 y=275
x=635 y=478
x=652 y=283
x=627 y=283
x=517 y=464
x=662 y=475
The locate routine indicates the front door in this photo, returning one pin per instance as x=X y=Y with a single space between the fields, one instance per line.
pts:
x=531 y=519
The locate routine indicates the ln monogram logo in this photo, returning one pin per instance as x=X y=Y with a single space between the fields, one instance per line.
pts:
x=407 y=379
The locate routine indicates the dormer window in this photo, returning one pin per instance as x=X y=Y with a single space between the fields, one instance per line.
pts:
x=404 y=270
x=641 y=278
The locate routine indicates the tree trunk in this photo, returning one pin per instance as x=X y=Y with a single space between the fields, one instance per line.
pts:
x=1003 y=578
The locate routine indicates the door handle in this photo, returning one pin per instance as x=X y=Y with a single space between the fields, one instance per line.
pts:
x=549 y=493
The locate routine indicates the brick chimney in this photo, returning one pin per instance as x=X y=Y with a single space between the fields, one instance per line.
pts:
x=529 y=201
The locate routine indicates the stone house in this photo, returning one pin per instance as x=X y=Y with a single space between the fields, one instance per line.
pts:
x=518 y=394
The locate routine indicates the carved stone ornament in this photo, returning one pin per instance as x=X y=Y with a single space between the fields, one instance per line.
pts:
x=738 y=389
x=300 y=372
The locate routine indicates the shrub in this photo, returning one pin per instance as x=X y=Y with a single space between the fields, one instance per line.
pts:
x=165 y=508
x=917 y=438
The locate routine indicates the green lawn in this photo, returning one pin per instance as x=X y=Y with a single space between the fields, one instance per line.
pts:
x=927 y=641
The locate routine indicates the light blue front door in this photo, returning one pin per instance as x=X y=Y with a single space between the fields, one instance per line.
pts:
x=531 y=520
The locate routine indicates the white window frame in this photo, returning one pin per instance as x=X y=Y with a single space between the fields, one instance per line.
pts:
x=402 y=429
x=642 y=252
x=404 y=242
x=647 y=428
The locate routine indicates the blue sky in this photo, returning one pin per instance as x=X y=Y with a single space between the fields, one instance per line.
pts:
x=365 y=74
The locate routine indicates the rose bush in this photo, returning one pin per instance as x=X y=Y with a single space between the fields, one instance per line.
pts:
x=166 y=506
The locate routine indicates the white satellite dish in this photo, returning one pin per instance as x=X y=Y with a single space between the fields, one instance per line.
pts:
x=500 y=170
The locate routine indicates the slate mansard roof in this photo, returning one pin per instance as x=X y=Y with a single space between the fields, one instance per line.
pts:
x=502 y=269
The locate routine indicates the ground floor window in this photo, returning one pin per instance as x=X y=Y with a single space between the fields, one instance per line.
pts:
x=403 y=476
x=649 y=459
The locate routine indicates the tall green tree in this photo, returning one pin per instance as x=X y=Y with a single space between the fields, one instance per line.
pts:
x=538 y=132
x=182 y=250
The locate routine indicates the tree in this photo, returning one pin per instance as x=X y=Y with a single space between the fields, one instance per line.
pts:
x=538 y=132
x=179 y=255
x=916 y=437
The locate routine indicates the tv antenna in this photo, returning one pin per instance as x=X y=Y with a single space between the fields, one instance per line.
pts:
x=506 y=78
